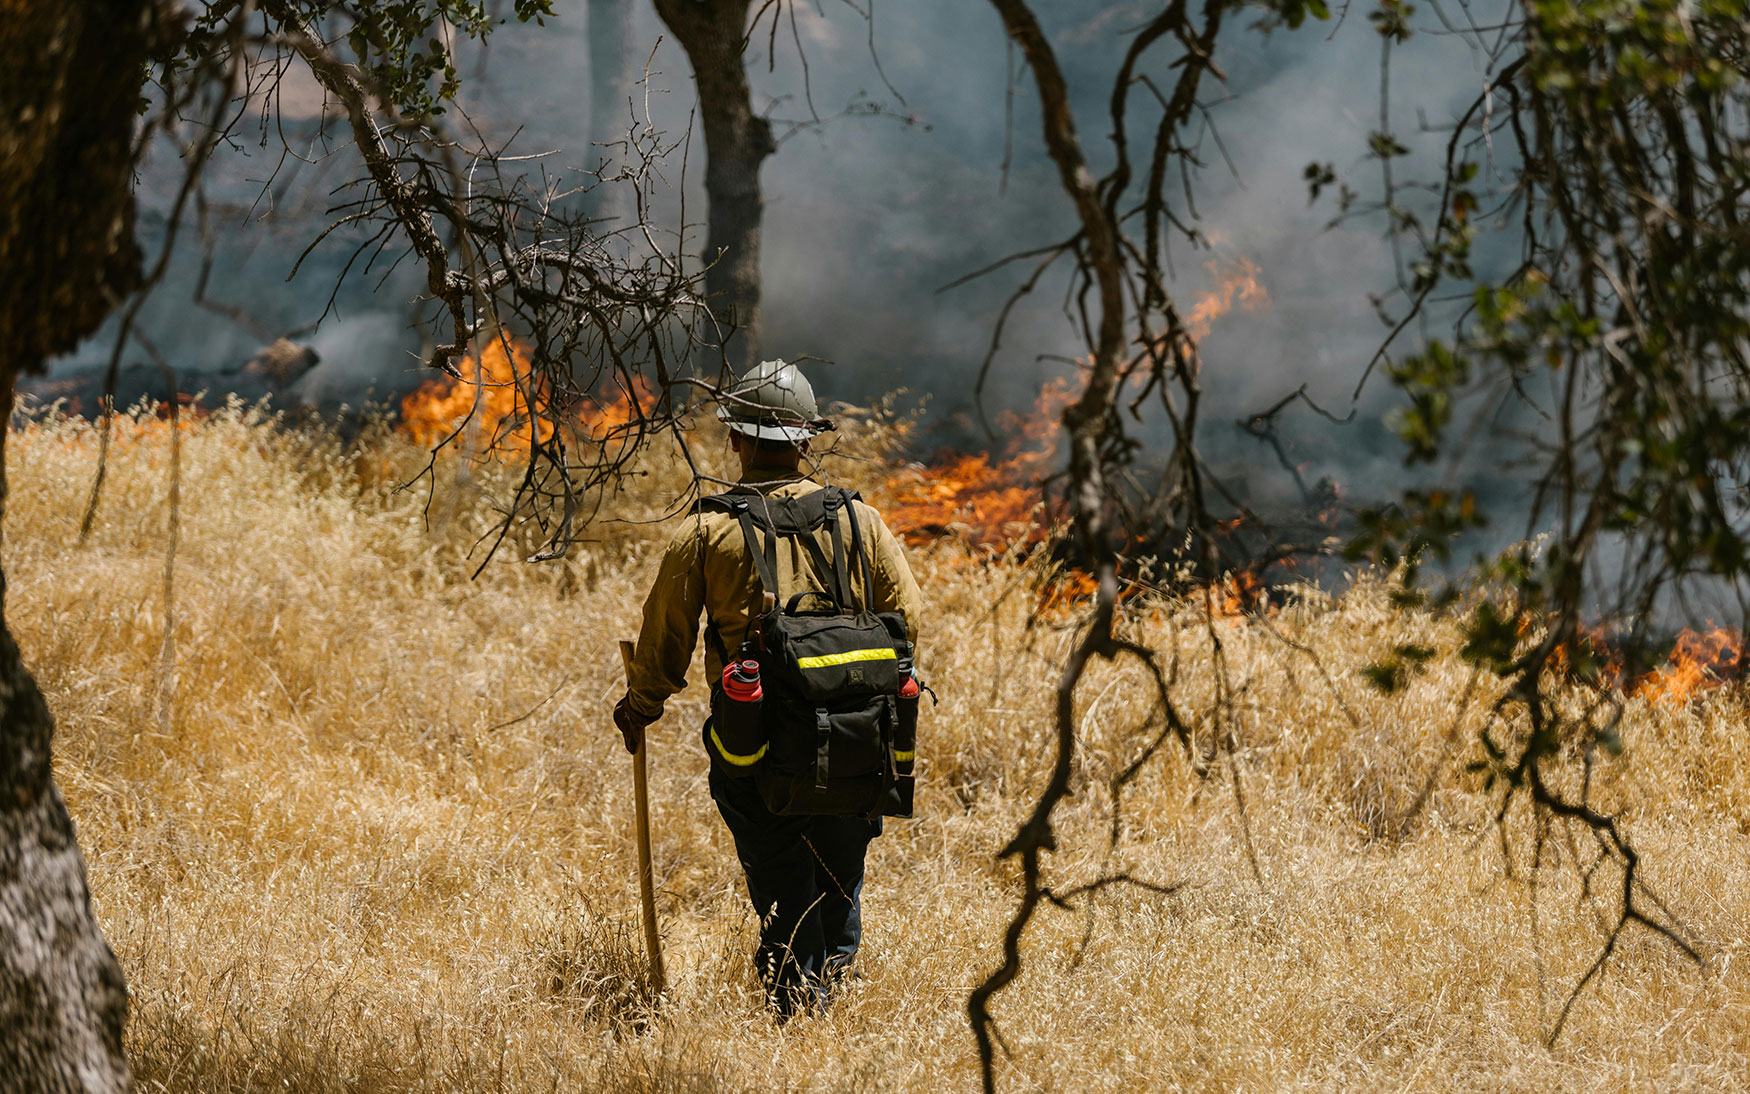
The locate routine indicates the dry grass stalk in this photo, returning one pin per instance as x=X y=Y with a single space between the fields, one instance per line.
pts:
x=385 y=842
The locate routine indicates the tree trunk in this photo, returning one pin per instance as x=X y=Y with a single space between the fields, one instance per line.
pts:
x=70 y=78
x=613 y=69
x=62 y=998
x=737 y=141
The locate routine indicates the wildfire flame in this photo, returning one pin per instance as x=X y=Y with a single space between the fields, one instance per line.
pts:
x=1239 y=593
x=503 y=382
x=495 y=379
x=1068 y=591
x=603 y=422
x=984 y=498
x=992 y=498
x=1236 y=281
x=1698 y=662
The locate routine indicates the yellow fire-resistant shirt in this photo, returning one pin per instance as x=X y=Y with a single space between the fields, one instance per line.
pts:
x=707 y=567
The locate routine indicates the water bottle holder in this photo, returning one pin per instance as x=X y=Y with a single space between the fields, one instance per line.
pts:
x=905 y=733
x=738 y=735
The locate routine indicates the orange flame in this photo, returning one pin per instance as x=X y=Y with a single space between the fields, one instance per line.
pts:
x=496 y=379
x=603 y=422
x=986 y=500
x=1698 y=662
x=1240 y=593
x=1236 y=280
x=1068 y=591
x=503 y=383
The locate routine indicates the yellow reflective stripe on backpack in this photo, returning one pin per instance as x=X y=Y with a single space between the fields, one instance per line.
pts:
x=821 y=661
x=904 y=757
x=734 y=758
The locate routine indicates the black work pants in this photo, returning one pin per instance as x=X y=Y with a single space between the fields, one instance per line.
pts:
x=805 y=877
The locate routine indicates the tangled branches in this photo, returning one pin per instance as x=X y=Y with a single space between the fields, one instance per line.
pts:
x=1608 y=143
x=598 y=306
x=585 y=310
x=1609 y=140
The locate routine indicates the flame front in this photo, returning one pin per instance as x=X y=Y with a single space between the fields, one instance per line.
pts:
x=987 y=500
x=504 y=382
x=994 y=499
x=1241 y=593
x=1699 y=661
x=605 y=422
x=498 y=380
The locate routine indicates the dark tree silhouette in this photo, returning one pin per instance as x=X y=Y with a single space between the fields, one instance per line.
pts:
x=70 y=77
x=737 y=142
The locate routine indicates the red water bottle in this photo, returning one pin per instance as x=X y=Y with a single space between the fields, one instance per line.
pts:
x=741 y=681
x=738 y=729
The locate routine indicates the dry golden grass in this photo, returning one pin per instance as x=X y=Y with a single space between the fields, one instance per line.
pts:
x=383 y=843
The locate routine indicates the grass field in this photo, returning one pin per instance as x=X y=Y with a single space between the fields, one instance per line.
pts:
x=374 y=835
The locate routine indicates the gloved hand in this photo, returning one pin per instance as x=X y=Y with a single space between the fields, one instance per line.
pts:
x=631 y=726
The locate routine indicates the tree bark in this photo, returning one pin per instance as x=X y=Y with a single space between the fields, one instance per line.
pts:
x=737 y=141
x=70 y=79
x=63 y=1001
x=70 y=76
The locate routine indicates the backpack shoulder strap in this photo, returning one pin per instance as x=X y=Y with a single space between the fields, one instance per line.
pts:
x=839 y=498
x=851 y=497
x=762 y=549
x=718 y=503
x=763 y=520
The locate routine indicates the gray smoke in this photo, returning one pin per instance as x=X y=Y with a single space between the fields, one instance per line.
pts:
x=867 y=216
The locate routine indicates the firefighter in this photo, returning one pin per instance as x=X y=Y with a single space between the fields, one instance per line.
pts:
x=804 y=873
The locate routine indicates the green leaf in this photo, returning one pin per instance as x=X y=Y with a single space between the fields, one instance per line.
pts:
x=1387 y=676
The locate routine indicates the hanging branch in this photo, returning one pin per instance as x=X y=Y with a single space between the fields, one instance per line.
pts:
x=1126 y=287
x=1626 y=309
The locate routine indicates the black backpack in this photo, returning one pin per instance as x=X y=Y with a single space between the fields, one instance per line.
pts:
x=831 y=734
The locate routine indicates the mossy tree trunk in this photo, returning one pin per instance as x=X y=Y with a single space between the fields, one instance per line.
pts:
x=71 y=73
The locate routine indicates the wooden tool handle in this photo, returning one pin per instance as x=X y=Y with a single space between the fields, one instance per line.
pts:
x=646 y=875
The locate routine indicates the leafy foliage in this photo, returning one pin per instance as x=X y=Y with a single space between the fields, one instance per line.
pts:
x=406 y=48
x=1629 y=305
x=1623 y=154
